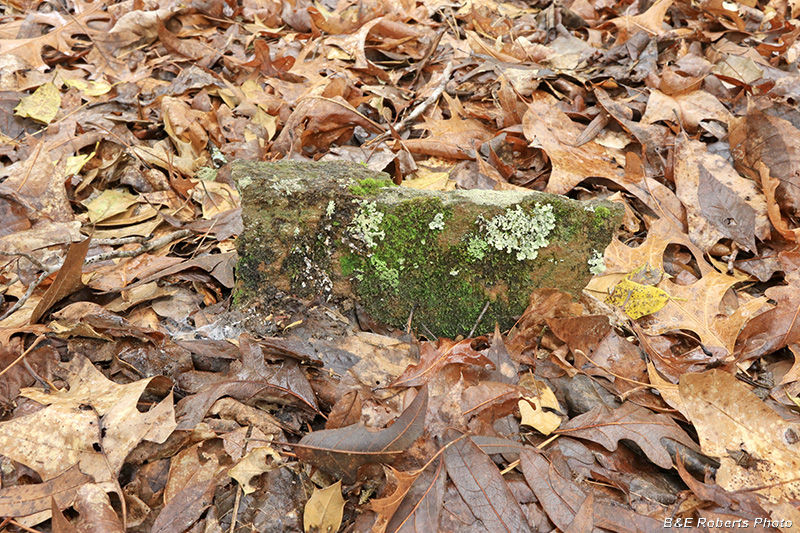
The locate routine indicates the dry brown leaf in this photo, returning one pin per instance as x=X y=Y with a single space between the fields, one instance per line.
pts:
x=24 y=500
x=774 y=141
x=651 y=21
x=697 y=308
x=685 y=109
x=757 y=448
x=719 y=202
x=552 y=130
x=99 y=437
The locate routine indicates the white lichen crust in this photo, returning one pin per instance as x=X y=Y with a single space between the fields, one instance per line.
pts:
x=366 y=225
x=437 y=222
x=596 y=264
x=522 y=232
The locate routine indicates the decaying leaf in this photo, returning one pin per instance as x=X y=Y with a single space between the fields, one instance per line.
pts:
x=324 y=509
x=342 y=451
x=757 y=448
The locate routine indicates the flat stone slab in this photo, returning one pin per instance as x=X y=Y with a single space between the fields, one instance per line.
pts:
x=338 y=231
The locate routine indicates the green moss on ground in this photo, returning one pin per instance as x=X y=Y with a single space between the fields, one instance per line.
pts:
x=369 y=186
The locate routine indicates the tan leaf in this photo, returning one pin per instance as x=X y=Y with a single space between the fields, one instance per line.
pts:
x=550 y=129
x=651 y=21
x=696 y=308
x=719 y=202
x=99 y=437
x=324 y=509
x=254 y=464
x=756 y=447
x=687 y=109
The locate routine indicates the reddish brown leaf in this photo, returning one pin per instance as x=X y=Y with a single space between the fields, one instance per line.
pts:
x=343 y=451
x=558 y=494
x=606 y=427
x=483 y=488
x=185 y=508
x=68 y=279
x=422 y=505
x=774 y=329
x=434 y=356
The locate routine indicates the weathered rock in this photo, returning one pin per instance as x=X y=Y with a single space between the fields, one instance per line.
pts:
x=338 y=230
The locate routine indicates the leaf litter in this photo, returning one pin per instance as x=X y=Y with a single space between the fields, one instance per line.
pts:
x=134 y=399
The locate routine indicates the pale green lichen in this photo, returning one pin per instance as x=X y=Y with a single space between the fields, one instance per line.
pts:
x=366 y=225
x=596 y=264
x=477 y=248
x=386 y=275
x=437 y=222
x=521 y=232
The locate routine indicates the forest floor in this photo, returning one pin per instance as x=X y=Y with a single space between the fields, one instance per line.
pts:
x=134 y=400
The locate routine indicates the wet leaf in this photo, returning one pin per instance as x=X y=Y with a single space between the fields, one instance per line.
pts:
x=435 y=356
x=482 y=487
x=342 y=451
x=647 y=429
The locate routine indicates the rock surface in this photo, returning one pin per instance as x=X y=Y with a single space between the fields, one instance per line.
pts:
x=339 y=231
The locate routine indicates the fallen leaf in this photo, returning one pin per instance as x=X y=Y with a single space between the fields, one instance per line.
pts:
x=24 y=500
x=757 y=448
x=482 y=487
x=607 y=426
x=552 y=130
x=324 y=509
x=42 y=106
x=342 y=451
x=254 y=464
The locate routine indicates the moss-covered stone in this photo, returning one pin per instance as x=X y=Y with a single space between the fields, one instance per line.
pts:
x=338 y=230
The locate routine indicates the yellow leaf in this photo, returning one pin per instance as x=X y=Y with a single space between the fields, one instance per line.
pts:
x=324 y=510
x=545 y=422
x=532 y=407
x=637 y=300
x=75 y=163
x=109 y=203
x=92 y=88
x=42 y=106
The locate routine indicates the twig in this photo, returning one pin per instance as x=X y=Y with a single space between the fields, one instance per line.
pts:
x=152 y=245
x=480 y=317
x=116 y=254
x=22 y=356
x=28 y=292
x=27 y=256
x=421 y=108
x=429 y=332
x=119 y=241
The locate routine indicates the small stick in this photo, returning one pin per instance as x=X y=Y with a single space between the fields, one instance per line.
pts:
x=406 y=122
x=433 y=337
x=146 y=247
x=480 y=317
x=116 y=254
x=21 y=357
